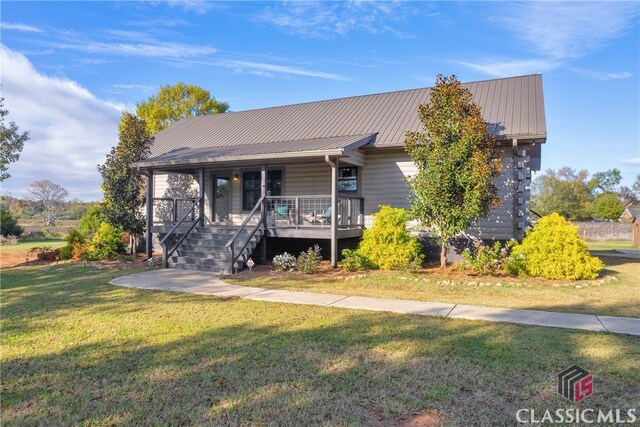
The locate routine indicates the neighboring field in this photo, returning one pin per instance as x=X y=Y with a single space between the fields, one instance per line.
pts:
x=11 y=255
x=619 y=297
x=35 y=224
x=611 y=244
x=76 y=350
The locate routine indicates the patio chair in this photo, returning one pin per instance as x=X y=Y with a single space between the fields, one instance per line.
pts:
x=322 y=219
x=281 y=212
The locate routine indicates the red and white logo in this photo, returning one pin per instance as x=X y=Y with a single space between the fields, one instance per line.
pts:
x=575 y=383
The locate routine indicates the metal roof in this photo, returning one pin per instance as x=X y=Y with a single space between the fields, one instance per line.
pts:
x=302 y=148
x=513 y=107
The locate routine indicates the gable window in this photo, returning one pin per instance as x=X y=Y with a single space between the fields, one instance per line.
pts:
x=348 y=179
x=251 y=182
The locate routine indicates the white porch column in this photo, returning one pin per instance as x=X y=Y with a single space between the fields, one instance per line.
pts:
x=263 y=193
x=148 y=234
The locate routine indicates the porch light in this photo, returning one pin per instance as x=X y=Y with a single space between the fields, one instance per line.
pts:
x=236 y=178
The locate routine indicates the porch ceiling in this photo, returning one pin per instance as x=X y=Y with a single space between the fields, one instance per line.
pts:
x=335 y=146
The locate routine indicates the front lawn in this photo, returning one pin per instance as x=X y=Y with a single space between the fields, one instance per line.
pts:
x=76 y=350
x=619 y=297
x=606 y=245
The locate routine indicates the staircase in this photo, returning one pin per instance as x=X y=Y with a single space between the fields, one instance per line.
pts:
x=204 y=249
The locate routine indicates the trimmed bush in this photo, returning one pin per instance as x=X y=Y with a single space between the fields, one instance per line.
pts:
x=388 y=245
x=309 y=262
x=352 y=260
x=487 y=259
x=107 y=242
x=284 y=262
x=553 y=249
x=9 y=224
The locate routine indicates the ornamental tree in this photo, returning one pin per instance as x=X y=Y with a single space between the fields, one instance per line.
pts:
x=455 y=160
x=173 y=103
x=122 y=186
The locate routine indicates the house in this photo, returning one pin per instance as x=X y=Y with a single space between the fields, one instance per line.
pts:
x=630 y=214
x=316 y=171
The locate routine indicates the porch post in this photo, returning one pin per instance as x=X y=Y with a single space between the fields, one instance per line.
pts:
x=201 y=207
x=263 y=193
x=334 y=213
x=148 y=234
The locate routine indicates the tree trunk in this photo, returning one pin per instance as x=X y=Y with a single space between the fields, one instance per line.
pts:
x=443 y=254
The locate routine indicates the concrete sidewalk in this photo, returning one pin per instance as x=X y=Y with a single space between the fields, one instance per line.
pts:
x=204 y=283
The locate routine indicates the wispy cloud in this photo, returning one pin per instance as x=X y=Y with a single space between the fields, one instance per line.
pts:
x=282 y=69
x=70 y=133
x=156 y=49
x=635 y=161
x=602 y=75
x=558 y=33
x=16 y=26
x=200 y=7
x=134 y=87
x=326 y=19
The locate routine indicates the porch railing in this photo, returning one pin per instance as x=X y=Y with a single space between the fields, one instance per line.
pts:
x=167 y=248
x=313 y=211
x=167 y=210
x=234 y=255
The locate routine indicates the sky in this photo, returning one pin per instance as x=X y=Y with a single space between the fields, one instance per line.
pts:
x=69 y=69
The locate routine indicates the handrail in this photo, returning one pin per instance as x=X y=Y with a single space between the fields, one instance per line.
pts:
x=167 y=253
x=233 y=258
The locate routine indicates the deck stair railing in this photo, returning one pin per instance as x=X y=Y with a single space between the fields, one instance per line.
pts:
x=167 y=239
x=234 y=254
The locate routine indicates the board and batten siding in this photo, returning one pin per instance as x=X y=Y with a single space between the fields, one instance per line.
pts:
x=383 y=183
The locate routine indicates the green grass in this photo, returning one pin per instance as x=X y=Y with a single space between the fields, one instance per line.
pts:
x=620 y=297
x=76 y=350
x=611 y=245
x=26 y=246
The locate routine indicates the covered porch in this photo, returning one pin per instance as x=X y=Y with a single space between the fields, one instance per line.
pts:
x=305 y=194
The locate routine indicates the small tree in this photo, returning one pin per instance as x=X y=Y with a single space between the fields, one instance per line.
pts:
x=12 y=142
x=122 y=186
x=47 y=201
x=455 y=160
x=607 y=206
x=9 y=224
x=173 y=103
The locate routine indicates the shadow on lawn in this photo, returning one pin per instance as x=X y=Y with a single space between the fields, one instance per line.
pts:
x=253 y=363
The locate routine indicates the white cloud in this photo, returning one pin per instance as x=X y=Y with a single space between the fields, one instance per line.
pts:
x=16 y=26
x=635 y=161
x=558 y=33
x=603 y=75
x=284 y=69
x=71 y=129
x=157 y=49
x=198 y=6
x=325 y=19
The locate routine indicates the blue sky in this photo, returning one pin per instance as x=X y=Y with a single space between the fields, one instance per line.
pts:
x=70 y=68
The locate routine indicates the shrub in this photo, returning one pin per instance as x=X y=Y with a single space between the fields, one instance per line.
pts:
x=9 y=224
x=8 y=240
x=309 y=262
x=284 y=262
x=80 y=251
x=553 y=249
x=91 y=221
x=107 y=242
x=388 y=245
x=486 y=259
x=73 y=236
x=352 y=260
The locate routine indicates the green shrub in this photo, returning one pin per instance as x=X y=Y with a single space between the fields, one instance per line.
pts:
x=388 y=245
x=73 y=236
x=91 y=221
x=553 y=249
x=9 y=224
x=487 y=259
x=309 y=262
x=107 y=242
x=284 y=262
x=352 y=260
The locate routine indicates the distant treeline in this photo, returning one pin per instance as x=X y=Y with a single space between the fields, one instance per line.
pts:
x=72 y=209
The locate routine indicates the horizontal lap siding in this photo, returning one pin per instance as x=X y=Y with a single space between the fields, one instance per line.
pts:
x=382 y=183
x=307 y=179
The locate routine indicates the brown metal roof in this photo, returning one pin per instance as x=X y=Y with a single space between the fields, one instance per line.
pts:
x=513 y=107
x=301 y=148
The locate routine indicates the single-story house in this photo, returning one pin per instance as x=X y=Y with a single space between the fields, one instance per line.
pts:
x=630 y=214
x=226 y=184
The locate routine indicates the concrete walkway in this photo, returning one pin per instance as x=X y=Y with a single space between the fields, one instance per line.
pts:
x=204 y=283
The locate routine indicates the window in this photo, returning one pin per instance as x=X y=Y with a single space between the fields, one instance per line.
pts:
x=348 y=179
x=251 y=187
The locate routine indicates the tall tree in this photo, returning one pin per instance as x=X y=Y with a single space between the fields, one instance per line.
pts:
x=636 y=186
x=455 y=160
x=122 y=186
x=12 y=142
x=173 y=103
x=47 y=201
x=606 y=181
x=565 y=191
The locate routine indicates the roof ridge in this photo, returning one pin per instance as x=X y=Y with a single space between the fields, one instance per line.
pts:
x=357 y=96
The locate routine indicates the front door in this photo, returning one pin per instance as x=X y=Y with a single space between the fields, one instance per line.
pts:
x=222 y=199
